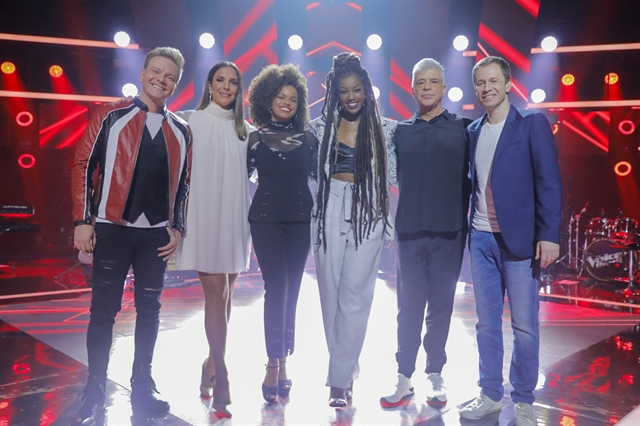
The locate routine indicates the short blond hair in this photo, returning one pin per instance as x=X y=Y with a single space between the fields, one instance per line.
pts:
x=503 y=64
x=170 y=53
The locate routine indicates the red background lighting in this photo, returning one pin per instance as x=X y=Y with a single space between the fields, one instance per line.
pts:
x=622 y=168
x=26 y=161
x=24 y=118
x=626 y=127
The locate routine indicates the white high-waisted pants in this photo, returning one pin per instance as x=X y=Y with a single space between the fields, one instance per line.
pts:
x=346 y=281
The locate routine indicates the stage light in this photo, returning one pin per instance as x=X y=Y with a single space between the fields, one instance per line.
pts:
x=376 y=92
x=26 y=161
x=538 y=96
x=568 y=79
x=122 y=39
x=622 y=168
x=455 y=94
x=549 y=44
x=374 y=42
x=24 y=118
x=207 y=40
x=460 y=43
x=129 y=89
x=8 y=67
x=295 y=42
x=626 y=127
x=55 y=71
x=611 y=78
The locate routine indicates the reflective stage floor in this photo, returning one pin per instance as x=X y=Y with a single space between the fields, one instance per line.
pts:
x=589 y=369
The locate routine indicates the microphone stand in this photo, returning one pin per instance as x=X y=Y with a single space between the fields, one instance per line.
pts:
x=576 y=262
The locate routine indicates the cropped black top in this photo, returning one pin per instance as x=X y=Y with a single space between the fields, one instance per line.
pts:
x=343 y=161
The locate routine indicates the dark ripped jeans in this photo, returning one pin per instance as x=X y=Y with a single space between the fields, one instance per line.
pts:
x=116 y=249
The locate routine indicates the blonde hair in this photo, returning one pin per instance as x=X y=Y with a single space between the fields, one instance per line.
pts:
x=170 y=53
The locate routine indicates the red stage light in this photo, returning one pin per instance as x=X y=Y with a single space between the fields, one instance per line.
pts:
x=55 y=71
x=626 y=379
x=26 y=161
x=611 y=78
x=622 y=168
x=568 y=79
x=626 y=127
x=24 y=118
x=8 y=67
x=21 y=368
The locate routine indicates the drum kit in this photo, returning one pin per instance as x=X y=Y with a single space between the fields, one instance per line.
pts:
x=609 y=249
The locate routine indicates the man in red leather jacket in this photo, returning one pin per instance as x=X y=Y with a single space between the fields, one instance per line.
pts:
x=132 y=214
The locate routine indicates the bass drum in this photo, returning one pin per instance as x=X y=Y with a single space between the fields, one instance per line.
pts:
x=604 y=261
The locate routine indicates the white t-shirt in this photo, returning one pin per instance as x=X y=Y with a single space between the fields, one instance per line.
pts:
x=485 y=218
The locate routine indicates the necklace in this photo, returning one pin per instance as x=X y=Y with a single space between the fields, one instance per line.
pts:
x=357 y=120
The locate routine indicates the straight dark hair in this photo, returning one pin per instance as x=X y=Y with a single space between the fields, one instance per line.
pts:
x=238 y=103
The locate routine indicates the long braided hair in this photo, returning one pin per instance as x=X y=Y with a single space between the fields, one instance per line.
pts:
x=370 y=190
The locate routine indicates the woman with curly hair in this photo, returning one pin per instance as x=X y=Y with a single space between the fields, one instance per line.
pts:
x=284 y=156
x=218 y=241
x=351 y=216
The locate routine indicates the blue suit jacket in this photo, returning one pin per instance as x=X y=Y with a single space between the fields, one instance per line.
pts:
x=525 y=180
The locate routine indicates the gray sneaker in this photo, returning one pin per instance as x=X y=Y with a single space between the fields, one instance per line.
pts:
x=480 y=407
x=524 y=414
x=437 y=395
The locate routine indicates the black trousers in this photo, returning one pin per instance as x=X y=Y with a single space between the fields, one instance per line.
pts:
x=282 y=250
x=117 y=248
x=428 y=270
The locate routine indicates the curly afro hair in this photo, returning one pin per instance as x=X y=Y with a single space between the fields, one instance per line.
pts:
x=267 y=85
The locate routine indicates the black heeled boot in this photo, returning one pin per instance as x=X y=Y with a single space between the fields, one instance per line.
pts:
x=93 y=401
x=144 y=398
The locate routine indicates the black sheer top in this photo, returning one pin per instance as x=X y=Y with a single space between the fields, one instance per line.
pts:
x=285 y=159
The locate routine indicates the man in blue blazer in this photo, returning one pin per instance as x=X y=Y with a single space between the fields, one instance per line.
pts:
x=514 y=230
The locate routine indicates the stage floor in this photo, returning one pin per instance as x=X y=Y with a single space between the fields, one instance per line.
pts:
x=588 y=363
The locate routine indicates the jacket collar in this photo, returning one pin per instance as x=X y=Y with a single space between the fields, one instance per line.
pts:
x=513 y=115
x=137 y=102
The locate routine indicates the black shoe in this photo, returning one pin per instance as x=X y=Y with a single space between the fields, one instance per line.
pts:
x=145 y=401
x=284 y=388
x=93 y=400
x=269 y=393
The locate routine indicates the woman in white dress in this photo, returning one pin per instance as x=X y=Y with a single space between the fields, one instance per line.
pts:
x=217 y=240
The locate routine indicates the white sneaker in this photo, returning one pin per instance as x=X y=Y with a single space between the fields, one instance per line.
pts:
x=437 y=395
x=402 y=395
x=524 y=414
x=480 y=407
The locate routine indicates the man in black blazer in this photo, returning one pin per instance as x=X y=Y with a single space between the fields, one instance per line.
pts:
x=432 y=168
x=515 y=229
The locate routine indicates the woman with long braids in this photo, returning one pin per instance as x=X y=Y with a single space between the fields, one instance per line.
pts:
x=218 y=240
x=351 y=216
x=285 y=156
